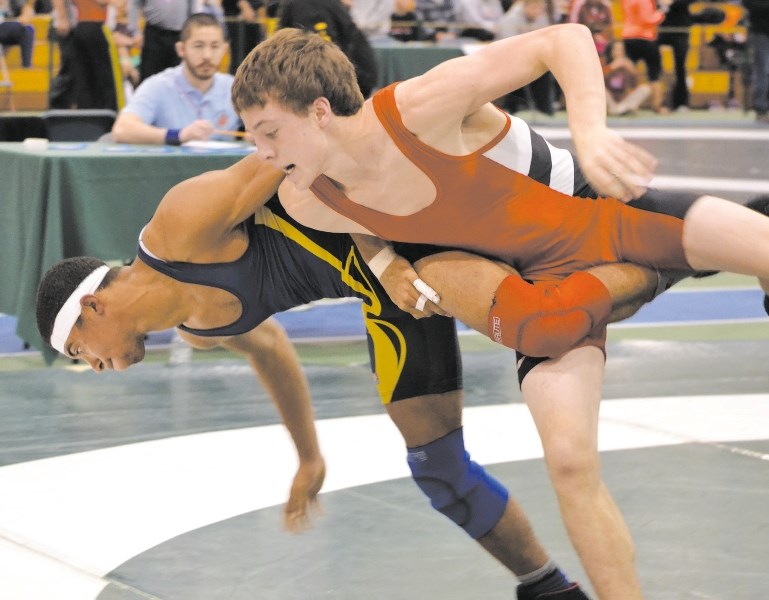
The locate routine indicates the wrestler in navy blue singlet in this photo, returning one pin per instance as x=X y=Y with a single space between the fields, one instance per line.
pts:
x=287 y=264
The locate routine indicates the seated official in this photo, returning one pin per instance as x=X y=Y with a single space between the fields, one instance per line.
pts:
x=188 y=102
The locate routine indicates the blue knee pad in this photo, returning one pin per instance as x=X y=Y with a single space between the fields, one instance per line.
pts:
x=456 y=486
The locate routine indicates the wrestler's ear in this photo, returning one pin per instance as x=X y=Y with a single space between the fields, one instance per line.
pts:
x=320 y=110
x=93 y=302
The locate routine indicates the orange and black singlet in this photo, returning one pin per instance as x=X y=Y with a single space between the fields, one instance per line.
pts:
x=490 y=202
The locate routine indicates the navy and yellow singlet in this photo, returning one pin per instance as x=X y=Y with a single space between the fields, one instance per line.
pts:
x=287 y=264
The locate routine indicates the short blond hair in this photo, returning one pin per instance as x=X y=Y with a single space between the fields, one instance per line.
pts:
x=294 y=68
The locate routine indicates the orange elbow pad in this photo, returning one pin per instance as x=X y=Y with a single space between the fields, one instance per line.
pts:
x=548 y=319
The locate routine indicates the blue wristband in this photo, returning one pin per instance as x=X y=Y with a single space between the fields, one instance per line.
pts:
x=172 y=137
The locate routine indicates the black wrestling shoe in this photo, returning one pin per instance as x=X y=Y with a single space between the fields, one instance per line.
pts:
x=572 y=593
x=766 y=303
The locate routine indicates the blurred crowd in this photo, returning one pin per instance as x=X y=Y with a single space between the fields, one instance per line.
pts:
x=109 y=47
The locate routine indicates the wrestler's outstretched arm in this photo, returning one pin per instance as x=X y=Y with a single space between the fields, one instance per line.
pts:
x=274 y=361
x=195 y=222
x=436 y=106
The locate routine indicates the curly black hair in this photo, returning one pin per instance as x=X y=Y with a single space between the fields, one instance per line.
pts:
x=57 y=285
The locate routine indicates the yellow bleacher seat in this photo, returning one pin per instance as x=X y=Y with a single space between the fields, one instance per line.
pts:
x=709 y=82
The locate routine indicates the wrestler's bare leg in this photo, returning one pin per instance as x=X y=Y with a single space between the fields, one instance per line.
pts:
x=467 y=285
x=424 y=419
x=726 y=236
x=563 y=396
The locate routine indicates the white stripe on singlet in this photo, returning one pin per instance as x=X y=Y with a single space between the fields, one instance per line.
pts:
x=516 y=152
x=143 y=247
x=562 y=174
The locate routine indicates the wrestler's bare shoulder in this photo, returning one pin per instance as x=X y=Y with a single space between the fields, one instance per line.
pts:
x=450 y=126
x=307 y=209
x=203 y=213
x=427 y=108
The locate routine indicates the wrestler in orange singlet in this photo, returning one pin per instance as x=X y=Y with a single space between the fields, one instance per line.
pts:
x=299 y=98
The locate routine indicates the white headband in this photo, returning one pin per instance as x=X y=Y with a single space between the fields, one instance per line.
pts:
x=71 y=310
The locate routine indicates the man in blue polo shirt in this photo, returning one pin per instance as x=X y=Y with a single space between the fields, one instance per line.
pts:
x=188 y=102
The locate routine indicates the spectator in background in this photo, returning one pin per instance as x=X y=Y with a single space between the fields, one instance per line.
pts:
x=758 y=41
x=522 y=17
x=188 y=102
x=162 y=24
x=210 y=7
x=126 y=41
x=624 y=94
x=243 y=28
x=373 y=17
x=479 y=18
x=16 y=28
x=732 y=50
x=163 y=21
x=641 y=19
x=674 y=32
x=596 y=15
x=332 y=21
x=446 y=20
x=404 y=18
x=437 y=19
x=89 y=76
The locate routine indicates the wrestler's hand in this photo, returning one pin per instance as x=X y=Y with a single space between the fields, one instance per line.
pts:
x=303 y=505
x=613 y=166
x=398 y=280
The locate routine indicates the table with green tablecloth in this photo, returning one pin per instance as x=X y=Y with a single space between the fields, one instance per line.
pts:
x=401 y=61
x=81 y=199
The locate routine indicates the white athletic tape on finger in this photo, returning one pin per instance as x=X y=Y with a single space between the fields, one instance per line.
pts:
x=381 y=261
x=421 y=302
x=425 y=289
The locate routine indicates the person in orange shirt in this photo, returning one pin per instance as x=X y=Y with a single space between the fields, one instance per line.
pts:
x=432 y=160
x=639 y=31
x=90 y=75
